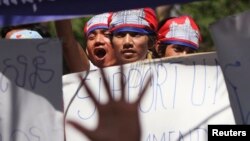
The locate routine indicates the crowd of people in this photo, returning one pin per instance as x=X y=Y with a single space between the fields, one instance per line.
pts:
x=117 y=38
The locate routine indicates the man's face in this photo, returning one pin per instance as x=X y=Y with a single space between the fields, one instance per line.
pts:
x=177 y=50
x=130 y=46
x=99 y=48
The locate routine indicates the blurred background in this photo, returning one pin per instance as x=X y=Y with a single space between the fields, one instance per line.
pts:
x=204 y=12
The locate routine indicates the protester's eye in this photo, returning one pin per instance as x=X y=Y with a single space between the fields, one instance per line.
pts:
x=91 y=37
x=178 y=48
x=135 y=34
x=120 y=34
x=107 y=34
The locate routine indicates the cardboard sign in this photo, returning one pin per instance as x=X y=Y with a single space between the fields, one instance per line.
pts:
x=30 y=90
x=185 y=95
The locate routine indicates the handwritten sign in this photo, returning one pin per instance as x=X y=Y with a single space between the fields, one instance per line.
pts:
x=30 y=90
x=185 y=95
x=232 y=38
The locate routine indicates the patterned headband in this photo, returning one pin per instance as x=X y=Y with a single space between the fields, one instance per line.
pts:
x=97 y=22
x=180 y=30
x=139 y=20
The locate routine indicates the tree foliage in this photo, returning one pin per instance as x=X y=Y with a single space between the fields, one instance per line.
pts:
x=207 y=12
x=78 y=27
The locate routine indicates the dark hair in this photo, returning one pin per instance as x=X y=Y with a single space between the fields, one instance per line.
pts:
x=152 y=43
x=162 y=49
x=36 y=27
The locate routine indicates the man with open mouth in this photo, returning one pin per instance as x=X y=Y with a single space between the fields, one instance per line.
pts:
x=99 y=48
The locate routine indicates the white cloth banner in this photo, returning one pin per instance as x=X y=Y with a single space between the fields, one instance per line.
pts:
x=30 y=90
x=185 y=95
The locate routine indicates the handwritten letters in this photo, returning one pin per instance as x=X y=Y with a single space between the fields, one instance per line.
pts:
x=185 y=95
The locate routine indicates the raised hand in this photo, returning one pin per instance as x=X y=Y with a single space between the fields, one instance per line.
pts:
x=118 y=119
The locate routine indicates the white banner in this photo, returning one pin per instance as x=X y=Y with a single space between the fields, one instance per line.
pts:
x=30 y=90
x=185 y=95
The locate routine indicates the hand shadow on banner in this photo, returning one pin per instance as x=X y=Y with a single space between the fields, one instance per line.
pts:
x=118 y=119
x=204 y=77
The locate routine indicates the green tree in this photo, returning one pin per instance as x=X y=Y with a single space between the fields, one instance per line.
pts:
x=77 y=26
x=207 y=12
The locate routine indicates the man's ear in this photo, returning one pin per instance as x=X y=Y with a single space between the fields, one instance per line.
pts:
x=157 y=45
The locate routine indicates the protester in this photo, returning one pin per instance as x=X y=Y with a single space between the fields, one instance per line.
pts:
x=99 y=48
x=99 y=52
x=133 y=34
x=178 y=36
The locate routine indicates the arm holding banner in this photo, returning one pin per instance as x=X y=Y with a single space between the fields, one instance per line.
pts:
x=73 y=53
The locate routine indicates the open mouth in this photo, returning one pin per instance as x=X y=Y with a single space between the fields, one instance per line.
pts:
x=100 y=52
